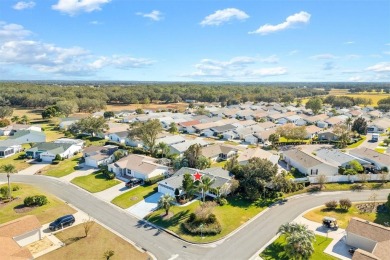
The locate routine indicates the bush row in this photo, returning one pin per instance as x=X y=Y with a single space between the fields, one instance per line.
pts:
x=37 y=200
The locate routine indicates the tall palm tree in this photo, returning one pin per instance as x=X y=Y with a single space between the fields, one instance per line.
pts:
x=9 y=168
x=15 y=118
x=25 y=120
x=205 y=185
x=164 y=149
x=348 y=122
x=165 y=202
x=290 y=228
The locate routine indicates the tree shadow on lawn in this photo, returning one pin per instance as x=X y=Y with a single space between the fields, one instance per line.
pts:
x=241 y=202
x=173 y=221
x=71 y=240
x=337 y=210
x=383 y=217
x=274 y=251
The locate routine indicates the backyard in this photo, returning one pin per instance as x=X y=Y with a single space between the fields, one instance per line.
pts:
x=94 y=182
x=46 y=213
x=134 y=196
x=343 y=216
x=61 y=169
x=276 y=249
x=230 y=216
x=94 y=246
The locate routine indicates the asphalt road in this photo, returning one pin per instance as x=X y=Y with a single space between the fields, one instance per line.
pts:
x=242 y=245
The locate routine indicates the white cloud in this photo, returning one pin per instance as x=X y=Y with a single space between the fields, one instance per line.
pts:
x=349 y=42
x=73 y=7
x=380 y=67
x=325 y=56
x=298 y=18
x=386 y=52
x=387 y=44
x=23 y=5
x=235 y=68
x=223 y=16
x=293 y=52
x=154 y=15
x=95 y=23
x=17 y=49
x=12 y=31
x=270 y=59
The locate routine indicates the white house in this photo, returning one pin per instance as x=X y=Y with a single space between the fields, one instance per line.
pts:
x=380 y=160
x=308 y=164
x=13 y=144
x=251 y=139
x=48 y=151
x=180 y=148
x=138 y=166
x=11 y=129
x=119 y=137
x=95 y=156
x=379 y=126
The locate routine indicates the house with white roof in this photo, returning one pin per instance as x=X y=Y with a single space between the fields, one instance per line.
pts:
x=338 y=158
x=380 y=160
x=13 y=128
x=48 y=151
x=180 y=148
x=95 y=156
x=379 y=126
x=13 y=144
x=248 y=154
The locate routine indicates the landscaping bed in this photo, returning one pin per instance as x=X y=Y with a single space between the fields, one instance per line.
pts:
x=276 y=249
x=94 y=182
x=94 y=246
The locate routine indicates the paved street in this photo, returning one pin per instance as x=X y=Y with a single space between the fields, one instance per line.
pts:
x=242 y=245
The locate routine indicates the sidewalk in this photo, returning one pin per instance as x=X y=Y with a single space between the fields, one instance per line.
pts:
x=110 y=193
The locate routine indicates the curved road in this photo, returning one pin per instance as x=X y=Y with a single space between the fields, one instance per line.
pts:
x=242 y=245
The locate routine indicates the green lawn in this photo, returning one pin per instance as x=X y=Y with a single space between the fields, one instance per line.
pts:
x=231 y=143
x=357 y=143
x=276 y=249
x=218 y=164
x=344 y=217
x=20 y=164
x=230 y=216
x=285 y=140
x=99 y=240
x=349 y=186
x=51 y=133
x=93 y=141
x=65 y=167
x=381 y=149
x=133 y=196
x=94 y=182
x=46 y=213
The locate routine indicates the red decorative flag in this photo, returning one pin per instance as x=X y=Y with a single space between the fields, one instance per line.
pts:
x=197 y=176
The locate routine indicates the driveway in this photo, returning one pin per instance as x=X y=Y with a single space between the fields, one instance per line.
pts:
x=34 y=168
x=82 y=172
x=111 y=193
x=371 y=145
x=146 y=206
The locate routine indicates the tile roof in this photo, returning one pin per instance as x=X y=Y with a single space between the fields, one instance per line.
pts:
x=371 y=155
x=302 y=158
x=10 y=250
x=190 y=123
x=140 y=163
x=216 y=149
x=20 y=226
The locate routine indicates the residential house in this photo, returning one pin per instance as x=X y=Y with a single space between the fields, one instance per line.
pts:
x=220 y=177
x=335 y=120
x=355 y=113
x=16 y=234
x=13 y=144
x=48 y=151
x=322 y=124
x=180 y=148
x=314 y=119
x=371 y=240
x=95 y=156
x=245 y=114
x=76 y=142
x=312 y=131
x=251 y=139
x=187 y=127
x=380 y=160
x=218 y=152
x=219 y=130
x=327 y=136
x=338 y=158
x=119 y=137
x=375 y=114
x=294 y=119
x=248 y=154
x=264 y=135
x=171 y=139
x=138 y=166
x=11 y=129
x=379 y=126
x=68 y=121
x=307 y=164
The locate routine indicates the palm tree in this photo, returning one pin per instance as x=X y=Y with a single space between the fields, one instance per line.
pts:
x=165 y=202
x=108 y=254
x=9 y=168
x=25 y=120
x=290 y=228
x=205 y=185
x=15 y=118
x=164 y=149
x=348 y=122
x=192 y=154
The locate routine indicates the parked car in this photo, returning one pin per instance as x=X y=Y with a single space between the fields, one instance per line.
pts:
x=62 y=222
x=133 y=182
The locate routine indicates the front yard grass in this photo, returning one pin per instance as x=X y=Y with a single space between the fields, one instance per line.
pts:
x=46 y=213
x=51 y=133
x=134 y=196
x=343 y=217
x=94 y=182
x=99 y=240
x=220 y=164
x=20 y=164
x=381 y=149
x=358 y=143
x=230 y=216
x=276 y=249
x=349 y=186
x=65 y=167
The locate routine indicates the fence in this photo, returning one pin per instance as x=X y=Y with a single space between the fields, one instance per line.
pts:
x=350 y=178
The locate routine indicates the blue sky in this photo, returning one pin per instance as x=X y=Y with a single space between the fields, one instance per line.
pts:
x=161 y=40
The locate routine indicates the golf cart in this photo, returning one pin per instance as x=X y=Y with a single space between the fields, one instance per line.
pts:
x=330 y=223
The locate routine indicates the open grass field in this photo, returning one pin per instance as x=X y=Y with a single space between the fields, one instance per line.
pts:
x=374 y=96
x=94 y=182
x=230 y=216
x=134 y=196
x=99 y=240
x=32 y=114
x=51 y=133
x=343 y=217
x=65 y=167
x=152 y=106
x=276 y=249
x=338 y=91
x=46 y=213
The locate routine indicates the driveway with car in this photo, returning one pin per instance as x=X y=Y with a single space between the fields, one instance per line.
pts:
x=146 y=206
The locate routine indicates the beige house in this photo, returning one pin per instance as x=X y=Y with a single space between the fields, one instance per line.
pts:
x=371 y=239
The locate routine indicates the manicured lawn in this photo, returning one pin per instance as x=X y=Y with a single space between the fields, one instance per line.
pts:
x=230 y=216
x=20 y=164
x=344 y=217
x=134 y=196
x=46 y=213
x=357 y=143
x=276 y=249
x=381 y=149
x=285 y=140
x=94 y=182
x=349 y=186
x=51 y=133
x=95 y=141
x=231 y=143
x=65 y=167
x=219 y=164
x=99 y=240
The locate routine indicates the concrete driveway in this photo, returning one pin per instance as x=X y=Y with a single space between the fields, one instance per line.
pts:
x=111 y=193
x=372 y=145
x=146 y=206
x=82 y=172
x=34 y=168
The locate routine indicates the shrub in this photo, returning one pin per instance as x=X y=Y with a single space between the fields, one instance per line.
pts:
x=55 y=162
x=15 y=188
x=109 y=175
x=58 y=157
x=211 y=219
x=192 y=217
x=154 y=180
x=4 y=191
x=331 y=204
x=22 y=156
x=222 y=201
x=345 y=204
x=37 y=200
x=4 y=122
